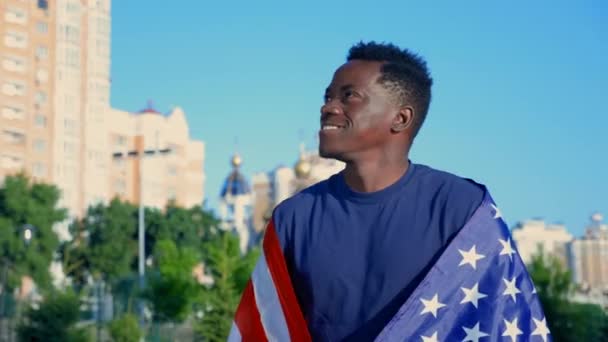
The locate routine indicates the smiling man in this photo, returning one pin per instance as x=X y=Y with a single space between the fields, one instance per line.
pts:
x=356 y=246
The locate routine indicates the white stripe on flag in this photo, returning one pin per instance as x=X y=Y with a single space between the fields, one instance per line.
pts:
x=235 y=334
x=269 y=306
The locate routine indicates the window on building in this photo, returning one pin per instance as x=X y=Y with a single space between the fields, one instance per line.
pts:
x=15 y=15
x=39 y=145
x=13 y=136
x=40 y=121
x=42 y=27
x=11 y=162
x=39 y=170
x=13 y=88
x=121 y=141
x=42 y=52
x=15 y=39
x=13 y=112
x=14 y=64
x=172 y=170
x=120 y=186
x=42 y=75
x=40 y=98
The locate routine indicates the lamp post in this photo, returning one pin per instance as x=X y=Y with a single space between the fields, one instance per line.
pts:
x=27 y=233
x=140 y=154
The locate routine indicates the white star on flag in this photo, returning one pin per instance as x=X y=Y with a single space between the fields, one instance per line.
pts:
x=472 y=295
x=431 y=305
x=507 y=248
x=512 y=330
x=497 y=213
x=470 y=257
x=511 y=289
x=541 y=328
x=432 y=338
x=474 y=334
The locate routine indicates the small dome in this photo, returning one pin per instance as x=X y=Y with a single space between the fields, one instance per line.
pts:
x=236 y=160
x=302 y=168
x=235 y=185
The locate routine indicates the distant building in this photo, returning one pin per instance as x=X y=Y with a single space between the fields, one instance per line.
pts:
x=235 y=205
x=533 y=235
x=176 y=175
x=273 y=187
x=589 y=261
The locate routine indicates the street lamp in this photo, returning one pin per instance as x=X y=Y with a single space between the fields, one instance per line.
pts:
x=26 y=232
x=140 y=154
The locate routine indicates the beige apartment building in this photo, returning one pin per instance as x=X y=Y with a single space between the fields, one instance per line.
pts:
x=27 y=57
x=56 y=123
x=172 y=166
x=590 y=255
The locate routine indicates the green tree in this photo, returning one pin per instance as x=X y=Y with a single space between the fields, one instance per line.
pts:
x=103 y=246
x=567 y=321
x=54 y=321
x=125 y=329
x=173 y=288
x=230 y=271
x=27 y=204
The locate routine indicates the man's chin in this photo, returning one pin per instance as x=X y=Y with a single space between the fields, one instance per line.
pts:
x=328 y=153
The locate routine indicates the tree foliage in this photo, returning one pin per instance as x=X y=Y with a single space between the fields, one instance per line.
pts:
x=230 y=272
x=26 y=204
x=173 y=288
x=54 y=321
x=566 y=320
x=125 y=329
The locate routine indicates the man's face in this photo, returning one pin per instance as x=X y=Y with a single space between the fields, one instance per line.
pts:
x=357 y=114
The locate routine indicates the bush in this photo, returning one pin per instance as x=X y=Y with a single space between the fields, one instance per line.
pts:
x=54 y=321
x=125 y=329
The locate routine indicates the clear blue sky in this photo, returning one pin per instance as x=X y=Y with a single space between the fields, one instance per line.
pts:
x=519 y=101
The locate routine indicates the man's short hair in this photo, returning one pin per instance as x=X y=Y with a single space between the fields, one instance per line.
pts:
x=404 y=73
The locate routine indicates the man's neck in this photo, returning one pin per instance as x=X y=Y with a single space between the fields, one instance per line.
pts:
x=371 y=176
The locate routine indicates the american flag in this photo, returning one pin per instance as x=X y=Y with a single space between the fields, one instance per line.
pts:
x=478 y=290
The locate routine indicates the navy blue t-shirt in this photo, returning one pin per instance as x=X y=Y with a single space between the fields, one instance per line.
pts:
x=354 y=258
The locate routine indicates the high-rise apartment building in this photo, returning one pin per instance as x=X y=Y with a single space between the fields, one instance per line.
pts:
x=56 y=123
x=531 y=236
x=27 y=53
x=589 y=255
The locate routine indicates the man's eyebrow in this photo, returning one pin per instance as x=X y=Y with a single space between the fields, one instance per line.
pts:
x=342 y=88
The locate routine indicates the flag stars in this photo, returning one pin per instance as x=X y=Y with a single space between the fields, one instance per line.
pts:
x=507 y=248
x=511 y=289
x=432 y=338
x=432 y=305
x=541 y=329
x=512 y=330
x=473 y=334
x=497 y=213
x=470 y=257
x=472 y=295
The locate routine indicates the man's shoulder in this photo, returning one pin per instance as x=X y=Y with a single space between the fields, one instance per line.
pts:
x=452 y=185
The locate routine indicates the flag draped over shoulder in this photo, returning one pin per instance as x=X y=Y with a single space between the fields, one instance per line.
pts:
x=478 y=290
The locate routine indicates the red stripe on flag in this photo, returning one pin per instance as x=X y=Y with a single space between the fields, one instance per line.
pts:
x=247 y=317
x=298 y=330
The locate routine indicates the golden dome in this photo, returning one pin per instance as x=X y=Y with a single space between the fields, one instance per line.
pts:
x=236 y=160
x=302 y=168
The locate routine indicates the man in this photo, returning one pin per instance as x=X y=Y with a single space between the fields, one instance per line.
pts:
x=357 y=245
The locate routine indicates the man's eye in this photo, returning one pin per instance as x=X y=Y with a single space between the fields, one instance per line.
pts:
x=348 y=94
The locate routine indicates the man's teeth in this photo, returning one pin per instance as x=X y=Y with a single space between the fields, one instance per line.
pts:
x=330 y=127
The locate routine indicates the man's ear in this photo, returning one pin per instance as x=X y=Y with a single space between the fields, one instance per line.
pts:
x=403 y=119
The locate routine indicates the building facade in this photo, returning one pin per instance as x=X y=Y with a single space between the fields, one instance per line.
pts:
x=174 y=175
x=56 y=124
x=27 y=88
x=589 y=256
x=533 y=235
